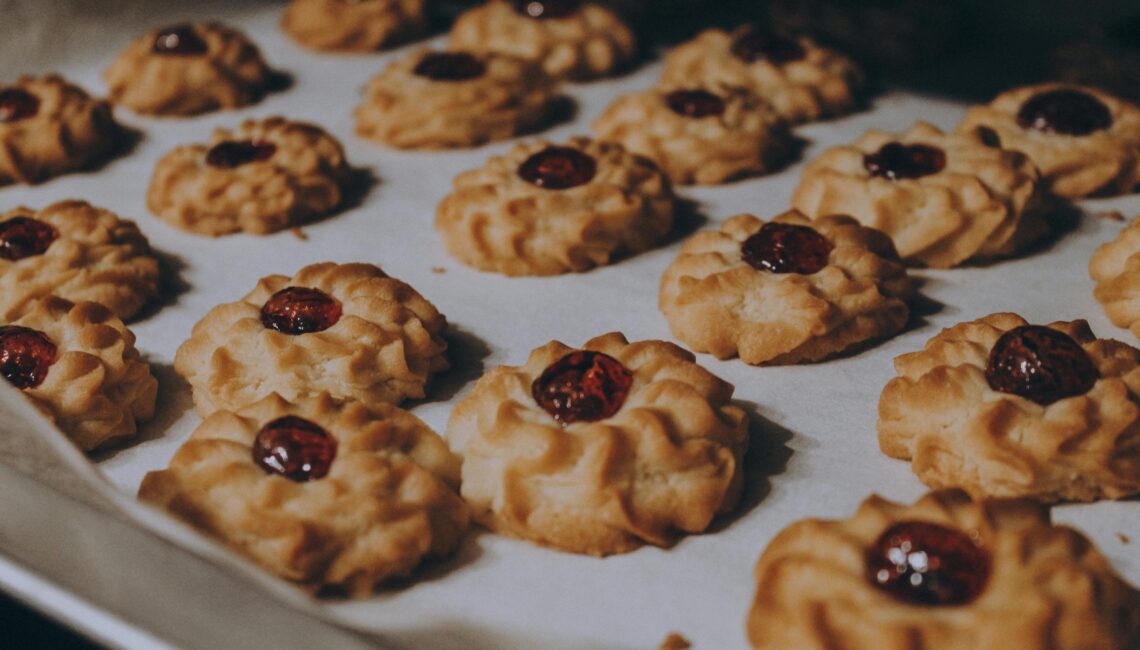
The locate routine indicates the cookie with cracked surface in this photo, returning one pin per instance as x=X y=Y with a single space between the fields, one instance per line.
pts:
x=353 y=25
x=1002 y=408
x=601 y=449
x=1115 y=267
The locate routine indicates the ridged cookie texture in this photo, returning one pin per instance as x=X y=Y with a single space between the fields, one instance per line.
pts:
x=384 y=348
x=1115 y=267
x=942 y=414
x=388 y=501
x=667 y=462
x=339 y=26
x=1049 y=588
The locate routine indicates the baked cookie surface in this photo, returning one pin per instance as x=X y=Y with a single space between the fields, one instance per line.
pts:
x=786 y=291
x=263 y=177
x=1001 y=408
x=328 y=495
x=1083 y=140
x=944 y=198
x=186 y=69
x=602 y=449
x=77 y=251
x=354 y=26
x=1115 y=267
x=545 y=209
x=946 y=573
x=345 y=329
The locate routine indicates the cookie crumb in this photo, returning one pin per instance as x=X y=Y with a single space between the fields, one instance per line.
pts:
x=1124 y=539
x=1110 y=215
x=675 y=641
x=299 y=234
x=438 y=269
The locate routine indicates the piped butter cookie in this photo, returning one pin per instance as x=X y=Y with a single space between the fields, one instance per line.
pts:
x=1115 y=267
x=353 y=25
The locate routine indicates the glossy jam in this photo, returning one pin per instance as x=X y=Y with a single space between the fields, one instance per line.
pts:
x=695 y=103
x=1066 y=112
x=233 y=153
x=179 y=40
x=450 y=66
x=927 y=564
x=558 y=168
x=16 y=105
x=25 y=355
x=754 y=45
x=300 y=310
x=22 y=237
x=547 y=8
x=295 y=448
x=896 y=161
x=582 y=386
x=1040 y=364
x=786 y=248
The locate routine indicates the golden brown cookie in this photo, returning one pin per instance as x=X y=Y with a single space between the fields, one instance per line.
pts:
x=1115 y=267
x=188 y=69
x=1083 y=140
x=49 y=126
x=1002 y=408
x=78 y=364
x=699 y=135
x=800 y=79
x=786 y=291
x=546 y=209
x=265 y=176
x=345 y=329
x=77 y=251
x=566 y=38
x=944 y=198
x=946 y=573
x=353 y=25
x=329 y=495
x=437 y=100
x=601 y=449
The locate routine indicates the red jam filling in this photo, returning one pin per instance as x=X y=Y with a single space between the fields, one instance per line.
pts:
x=695 y=103
x=300 y=310
x=754 y=45
x=180 y=40
x=786 y=248
x=547 y=8
x=1065 y=112
x=928 y=564
x=22 y=237
x=231 y=154
x=450 y=66
x=1040 y=364
x=295 y=448
x=16 y=105
x=896 y=161
x=582 y=386
x=25 y=355
x=558 y=168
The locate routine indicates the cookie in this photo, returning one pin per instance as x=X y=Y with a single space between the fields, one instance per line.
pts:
x=786 y=291
x=354 y=26
x=77 y=251
x=49 y=126
x=800 y=79
x=944 y=198
x=345 y=329
x=569 y=39
x=187 y=69
x=78 y=364
x=699 y=135
x=1115 y=267
x=263 y=177
x=946 y=573
x=1002 y=408
x=545 y=209
x=601 y=449
x=335 y=497
x=438 y=100
x=1083 y=140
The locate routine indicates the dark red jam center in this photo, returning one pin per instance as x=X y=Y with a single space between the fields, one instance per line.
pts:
x=25 y=355
x=582 y=386
x=928 y=564
x=22 y=237
x=450 y=66
x=295 y=448
x=300 y=310
x=16 y=104
x=895 y=161
x=1067 y=112
x=547 y=8
x=558 y=168
x=754 y=45
x=786 y=248
x=695 y=103
x=179 y=39
x=231 y=153
x=1040 y=364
